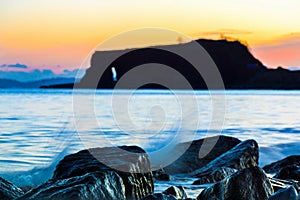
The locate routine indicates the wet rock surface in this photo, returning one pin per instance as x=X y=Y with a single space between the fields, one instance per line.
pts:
x=99 y=173
x=242 y=156
x=131 y=163
x=250 y=183
x=288 y=193
x=192 y=159
x=8 y=190
x=159 y=196
x=289 y=172
x=275 y=167
x=177 y=191
x=97 y=185
x=161 y=175
x=214 y=175
x=279 y=184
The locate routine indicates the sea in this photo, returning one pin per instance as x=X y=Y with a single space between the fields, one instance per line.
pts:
x=38 y=127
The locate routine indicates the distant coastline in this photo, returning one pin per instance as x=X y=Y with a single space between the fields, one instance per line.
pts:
x=8 y=83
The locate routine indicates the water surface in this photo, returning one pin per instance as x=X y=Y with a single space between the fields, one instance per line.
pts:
x=39 y=127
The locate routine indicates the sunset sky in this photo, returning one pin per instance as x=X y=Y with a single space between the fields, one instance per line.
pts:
x=59 y=34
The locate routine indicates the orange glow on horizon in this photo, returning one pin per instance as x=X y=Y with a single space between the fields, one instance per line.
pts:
x=49 y=33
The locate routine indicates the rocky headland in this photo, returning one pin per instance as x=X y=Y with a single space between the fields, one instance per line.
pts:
x=238 y=68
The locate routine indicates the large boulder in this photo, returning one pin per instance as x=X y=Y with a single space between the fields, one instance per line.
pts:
x=242 y=156
x=288 y=193
x=131 y=163
x=177 y=191
x=192 y=158
x=289 y=172
x=250 y=183
x=96 y=186
x=8 y=190
x=213 y=176
x=275 y=167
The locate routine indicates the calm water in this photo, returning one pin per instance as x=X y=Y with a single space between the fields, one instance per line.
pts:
x=39 y=127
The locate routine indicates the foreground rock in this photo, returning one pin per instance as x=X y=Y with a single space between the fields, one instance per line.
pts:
x=172 y=193
x=275 y=167
x=190 y=160
x=131 y=163
x=100 y=173
x=288 y=193
x=242 y=156
x=159 y=196
x=250 y=183
x=289 y=172
x=214 y=175
x=279 y=184
x=178 y=192
x=161 y=175
x=97 y=185
x=8 y=190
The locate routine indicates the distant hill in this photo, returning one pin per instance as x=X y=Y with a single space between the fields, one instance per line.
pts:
x=238 y=67
x=7 y=83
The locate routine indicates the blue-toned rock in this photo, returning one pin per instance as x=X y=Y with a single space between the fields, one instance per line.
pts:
x=242 y=156
x=96 y=186
x=176 y=191
x=214 y=175
x=159 y=196
x=131 y=163
x=191 y=161
x=8 y=190
x=289 y=172
x=250 y=183
x=275 y=167
x=288 y=193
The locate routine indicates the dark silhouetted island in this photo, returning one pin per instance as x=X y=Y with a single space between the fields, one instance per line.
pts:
x=238 y=67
